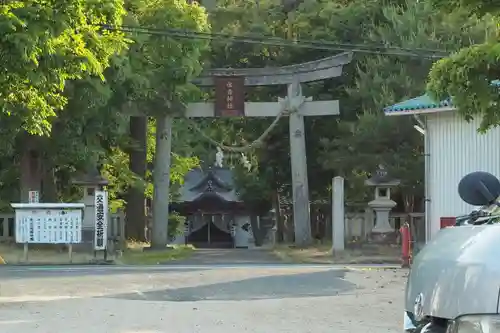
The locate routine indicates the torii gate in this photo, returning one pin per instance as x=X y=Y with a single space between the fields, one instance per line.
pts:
x=297 y=106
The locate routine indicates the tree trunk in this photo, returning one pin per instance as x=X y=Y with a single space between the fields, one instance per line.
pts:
x=30 y=169
x=280 y=226
x=289 y=226
x=161 y=182
x=49 y=184
x=135 y=210
x=256 y=230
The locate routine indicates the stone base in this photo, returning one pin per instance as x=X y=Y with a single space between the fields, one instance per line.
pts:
x=87 y=244
x=383 y=237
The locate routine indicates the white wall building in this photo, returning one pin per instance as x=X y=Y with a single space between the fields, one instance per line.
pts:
x=453 y=148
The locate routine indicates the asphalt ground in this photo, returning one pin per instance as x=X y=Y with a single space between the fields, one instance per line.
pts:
x=188 y=298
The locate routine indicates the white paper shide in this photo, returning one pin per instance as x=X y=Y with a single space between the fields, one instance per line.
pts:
x=101 y=220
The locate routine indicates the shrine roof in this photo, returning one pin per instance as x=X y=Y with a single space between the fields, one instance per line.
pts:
x=418 y=105
x=423 y=104
x=214 y=181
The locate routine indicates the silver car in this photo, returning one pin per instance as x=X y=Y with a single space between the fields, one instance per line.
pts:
x=454 y=282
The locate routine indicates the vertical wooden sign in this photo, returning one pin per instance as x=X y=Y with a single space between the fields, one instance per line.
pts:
x=229 y=96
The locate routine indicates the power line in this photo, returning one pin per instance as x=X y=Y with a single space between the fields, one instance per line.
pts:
x=276 y=41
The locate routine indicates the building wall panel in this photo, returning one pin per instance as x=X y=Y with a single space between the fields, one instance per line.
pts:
x=456 y=149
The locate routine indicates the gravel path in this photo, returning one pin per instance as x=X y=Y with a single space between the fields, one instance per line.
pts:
x=256 y=299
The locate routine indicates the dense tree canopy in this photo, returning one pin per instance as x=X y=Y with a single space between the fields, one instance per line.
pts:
x=71 y=87
x=476 y=6
x=46 y=43
x=382 y=80
x=467 y=74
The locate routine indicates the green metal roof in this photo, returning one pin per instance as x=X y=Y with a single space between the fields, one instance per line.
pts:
x=423 y=104
x=419 y=104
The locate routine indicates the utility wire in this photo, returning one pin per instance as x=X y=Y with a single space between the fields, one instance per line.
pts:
x=276 y=41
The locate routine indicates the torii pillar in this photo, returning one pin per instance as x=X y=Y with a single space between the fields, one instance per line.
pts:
x=233 y=104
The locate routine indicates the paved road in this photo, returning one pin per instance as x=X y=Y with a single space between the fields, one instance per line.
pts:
x=206 y=299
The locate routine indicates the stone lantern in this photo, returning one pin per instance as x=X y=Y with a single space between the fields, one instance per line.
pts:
x=382 y=204
x=91 y=181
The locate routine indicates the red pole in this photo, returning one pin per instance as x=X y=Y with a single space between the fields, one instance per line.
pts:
x=405 y=245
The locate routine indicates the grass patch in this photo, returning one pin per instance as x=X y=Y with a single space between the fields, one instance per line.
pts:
x=322 y=254
x=135 y=254
x=41 y=254
x=58 y=255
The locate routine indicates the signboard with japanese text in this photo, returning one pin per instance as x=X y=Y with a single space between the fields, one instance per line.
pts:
x=101 y=220
x=229 y=96
x=49 y=226
x=33 y=197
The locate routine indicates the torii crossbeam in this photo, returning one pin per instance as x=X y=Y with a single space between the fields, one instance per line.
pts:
x=297 y=106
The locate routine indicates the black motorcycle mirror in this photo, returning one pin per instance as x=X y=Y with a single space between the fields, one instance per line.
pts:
x=479 y=188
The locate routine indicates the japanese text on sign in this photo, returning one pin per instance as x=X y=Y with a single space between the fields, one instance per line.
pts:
x=229 y=96
x=101 y=219
x=33 y=197
x=49 y=226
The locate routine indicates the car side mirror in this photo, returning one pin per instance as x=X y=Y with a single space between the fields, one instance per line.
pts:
x=479 y=188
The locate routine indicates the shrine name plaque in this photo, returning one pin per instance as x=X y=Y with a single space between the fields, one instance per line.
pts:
x=229 y=96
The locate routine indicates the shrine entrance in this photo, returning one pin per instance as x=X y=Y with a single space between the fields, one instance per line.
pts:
x=213 y=231
x=230 y=85
x=214 y=212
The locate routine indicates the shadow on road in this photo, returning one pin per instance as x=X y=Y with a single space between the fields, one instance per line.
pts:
x=317 y=284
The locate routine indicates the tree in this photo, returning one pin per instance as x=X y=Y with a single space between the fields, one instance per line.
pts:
x=338 y=22
x=467 y=74
x=476 y=6
x=157 y=71
x=168 y=65
x=45 y=44
x=92 y=128
x=382 y=80
x=45 y=47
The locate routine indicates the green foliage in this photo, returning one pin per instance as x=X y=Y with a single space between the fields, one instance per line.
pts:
x=382 y=80
x=466 y=75
x=182 y=159
x=167 y=64
x=175 y=225
x=475 y=6
x=376 y=139
x=83 y=82
x=100 y=80
x=45 y=44
x=153 y=72
x=254 y=187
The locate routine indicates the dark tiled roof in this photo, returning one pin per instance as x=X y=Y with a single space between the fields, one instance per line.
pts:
x=214 y=181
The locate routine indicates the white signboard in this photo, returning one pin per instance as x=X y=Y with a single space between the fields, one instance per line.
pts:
x=101 y=220
x=34 y=197
x=49 y=226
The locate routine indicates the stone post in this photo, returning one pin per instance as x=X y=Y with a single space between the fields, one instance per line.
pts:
x=338 y=214
x=91 y=181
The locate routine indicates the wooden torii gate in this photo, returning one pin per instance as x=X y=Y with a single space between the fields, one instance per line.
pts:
x=231 y=83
